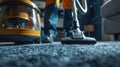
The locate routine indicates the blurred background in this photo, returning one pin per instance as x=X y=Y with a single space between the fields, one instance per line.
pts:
x=101 y=21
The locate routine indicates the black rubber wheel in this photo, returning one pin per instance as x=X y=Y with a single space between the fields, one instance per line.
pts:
x=38 y=41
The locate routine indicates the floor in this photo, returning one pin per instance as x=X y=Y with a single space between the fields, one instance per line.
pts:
x=101 y=54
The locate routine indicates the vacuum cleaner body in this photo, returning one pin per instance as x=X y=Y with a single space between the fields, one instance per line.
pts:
x=19 y=21
x=77 y=36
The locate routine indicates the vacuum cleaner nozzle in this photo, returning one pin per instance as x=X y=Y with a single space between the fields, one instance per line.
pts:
x=86 y=40
x=78 y=38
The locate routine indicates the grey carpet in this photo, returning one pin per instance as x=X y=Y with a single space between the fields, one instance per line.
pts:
x=102 y=54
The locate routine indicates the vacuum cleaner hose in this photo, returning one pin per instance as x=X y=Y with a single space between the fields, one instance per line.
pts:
x=82 y=8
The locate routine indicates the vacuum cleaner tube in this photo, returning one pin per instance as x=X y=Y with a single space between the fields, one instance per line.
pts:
x=20 y=21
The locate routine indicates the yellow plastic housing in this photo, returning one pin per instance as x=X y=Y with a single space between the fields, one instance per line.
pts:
x=17 y=31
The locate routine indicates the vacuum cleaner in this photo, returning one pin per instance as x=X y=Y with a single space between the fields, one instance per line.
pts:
x=19 y=22
x=77 y=36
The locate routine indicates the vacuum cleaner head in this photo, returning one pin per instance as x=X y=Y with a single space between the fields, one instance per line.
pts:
x=86 y=40
x=77 y=37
